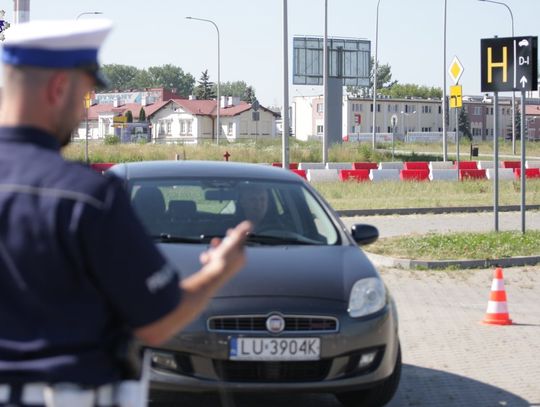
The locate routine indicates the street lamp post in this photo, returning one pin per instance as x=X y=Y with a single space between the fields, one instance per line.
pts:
x=285 y=110
x=513 y=93
x=89 y=12
x=86 y=102
x=218 y=122
x=375 y=77
x=445 y=144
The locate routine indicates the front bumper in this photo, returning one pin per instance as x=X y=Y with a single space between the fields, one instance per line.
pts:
x=203 y=363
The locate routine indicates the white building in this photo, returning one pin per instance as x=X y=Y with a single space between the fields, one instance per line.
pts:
x=412 y=117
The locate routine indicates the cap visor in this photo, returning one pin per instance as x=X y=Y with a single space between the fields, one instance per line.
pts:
x=100 y=79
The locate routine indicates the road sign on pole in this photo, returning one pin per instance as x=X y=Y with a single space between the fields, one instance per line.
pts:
x=455 y=70
x=456 y=96
x=509 y=64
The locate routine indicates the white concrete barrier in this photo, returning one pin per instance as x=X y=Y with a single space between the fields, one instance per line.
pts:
x=391 y=165
x=440 y=165
x=443 y=174
x=504 y=173
x=339 y=166
x=388 y=174
x=532 y=164
x=322 y=175
x=484 y=165
x=311 y=166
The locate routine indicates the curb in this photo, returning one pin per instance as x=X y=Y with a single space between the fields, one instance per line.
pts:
x=384 y=261
x=420 y=211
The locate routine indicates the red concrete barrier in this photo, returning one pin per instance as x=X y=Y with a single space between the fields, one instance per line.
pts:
x=365 y=166
x=301 y=173
x=414 y=175
x=472 y=174
x=467 y=165
x=511 y=164
x=416 y=165
x=101 y=167
x=350 y=175
x=292 y=166
x=529 y=173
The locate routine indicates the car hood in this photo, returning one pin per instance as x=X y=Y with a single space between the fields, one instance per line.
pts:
x=326 y=272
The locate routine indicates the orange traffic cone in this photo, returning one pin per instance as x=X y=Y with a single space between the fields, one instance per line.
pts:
x=497 y=309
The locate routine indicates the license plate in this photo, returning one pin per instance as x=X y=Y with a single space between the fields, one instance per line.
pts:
x=275 y=349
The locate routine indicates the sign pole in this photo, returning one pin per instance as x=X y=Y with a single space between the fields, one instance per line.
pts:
x=87 y=108
x=457 y=139
x=86 y=158
x=326 y=108
x=509 y=64
x=523 y=175
x=496 y=159
x=285 y=110
x=393 y=136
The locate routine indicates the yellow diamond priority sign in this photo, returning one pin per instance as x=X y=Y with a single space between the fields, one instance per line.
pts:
x=455 y=70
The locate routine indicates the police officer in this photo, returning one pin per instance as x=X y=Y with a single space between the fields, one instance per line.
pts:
x=78 y=275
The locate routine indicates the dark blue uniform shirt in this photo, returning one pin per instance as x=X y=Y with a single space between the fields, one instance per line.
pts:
x=77 y=270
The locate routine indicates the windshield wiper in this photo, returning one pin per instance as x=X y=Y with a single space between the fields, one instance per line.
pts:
x=167 y=238
x=280 y=240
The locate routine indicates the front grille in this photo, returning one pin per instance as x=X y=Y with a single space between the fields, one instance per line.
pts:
x=272 y=371
x=257 y=323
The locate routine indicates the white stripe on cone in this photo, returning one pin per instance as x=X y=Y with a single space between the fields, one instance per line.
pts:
x=497 y=307
x=497 y=285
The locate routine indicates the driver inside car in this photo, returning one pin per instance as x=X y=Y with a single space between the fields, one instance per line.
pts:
x=254 y=204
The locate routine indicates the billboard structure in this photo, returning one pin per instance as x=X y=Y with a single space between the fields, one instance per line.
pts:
x=348 y=65
x=348 y=60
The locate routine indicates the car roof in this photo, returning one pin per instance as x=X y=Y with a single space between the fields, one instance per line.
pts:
x=221 y=169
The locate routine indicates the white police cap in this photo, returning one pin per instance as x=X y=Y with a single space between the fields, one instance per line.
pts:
x=63 y=44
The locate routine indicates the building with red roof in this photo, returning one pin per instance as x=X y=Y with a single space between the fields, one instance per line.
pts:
x=175 y=119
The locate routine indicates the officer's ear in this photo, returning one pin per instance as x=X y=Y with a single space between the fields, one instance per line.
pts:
x=58 y=87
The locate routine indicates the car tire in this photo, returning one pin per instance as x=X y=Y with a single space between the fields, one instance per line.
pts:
x=376 y=396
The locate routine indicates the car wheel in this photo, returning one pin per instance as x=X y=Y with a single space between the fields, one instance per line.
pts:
x=376 y=396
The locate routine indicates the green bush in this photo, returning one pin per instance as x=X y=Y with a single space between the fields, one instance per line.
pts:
x=111 y=140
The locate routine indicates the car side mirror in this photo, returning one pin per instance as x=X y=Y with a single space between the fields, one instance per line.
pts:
x=364 y=234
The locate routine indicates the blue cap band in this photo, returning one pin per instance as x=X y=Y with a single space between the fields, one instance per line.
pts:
x=47 y=58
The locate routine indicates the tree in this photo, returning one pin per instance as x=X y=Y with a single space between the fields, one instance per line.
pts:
x=129 y=116
x=142 y=115
x=124 y=77
x=121 y=76
x=517 y=121
x=237 y=88
x=205 y=89
x=172 y=77
x=464 y=124
x=400 y=91
x=249 y=95
x=384 y=81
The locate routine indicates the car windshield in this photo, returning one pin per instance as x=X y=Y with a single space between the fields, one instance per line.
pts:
x=196 y=210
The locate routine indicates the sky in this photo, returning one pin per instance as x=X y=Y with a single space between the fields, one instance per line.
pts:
x=154 y=33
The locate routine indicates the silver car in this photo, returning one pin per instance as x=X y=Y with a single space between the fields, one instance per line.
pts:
x=309 y=313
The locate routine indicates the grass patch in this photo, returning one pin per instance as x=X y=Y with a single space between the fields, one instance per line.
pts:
x=262 y=151
x=464 y=246
x=397 y=194
x=342 y=195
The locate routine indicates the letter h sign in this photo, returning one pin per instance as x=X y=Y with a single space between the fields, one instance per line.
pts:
x=509 y=64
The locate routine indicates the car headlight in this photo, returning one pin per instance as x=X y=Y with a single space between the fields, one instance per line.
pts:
x=367 y=297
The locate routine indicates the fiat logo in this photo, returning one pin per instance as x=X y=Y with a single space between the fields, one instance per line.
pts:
x=275 y=324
